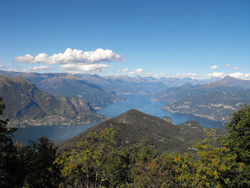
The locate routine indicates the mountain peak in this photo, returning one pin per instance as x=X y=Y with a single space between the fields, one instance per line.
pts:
x=134 y=126
x=187 y=86
x=234 y=82
x=131 y=116
x=229 y=78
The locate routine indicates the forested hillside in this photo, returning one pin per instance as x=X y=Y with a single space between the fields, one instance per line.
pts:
x=98 y=162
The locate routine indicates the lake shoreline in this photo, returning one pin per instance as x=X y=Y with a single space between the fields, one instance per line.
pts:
x=59 y=133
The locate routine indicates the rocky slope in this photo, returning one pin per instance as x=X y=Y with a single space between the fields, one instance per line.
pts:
x=26 y=105
x=63 y=84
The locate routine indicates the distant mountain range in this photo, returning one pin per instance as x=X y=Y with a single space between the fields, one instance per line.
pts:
x=26 y=105
x=211 y=99
x=234 y=82
x=60 y=84
x=176 y=82
x=126 y=85
x=133 y=126
x=101 y=90
x=214 y=101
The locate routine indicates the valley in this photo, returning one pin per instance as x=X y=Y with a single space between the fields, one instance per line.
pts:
x=59 y=133
x=65 y=99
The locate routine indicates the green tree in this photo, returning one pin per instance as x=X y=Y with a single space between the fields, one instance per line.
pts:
x=85 y=166
x=237 y=141
x=26 y=166
x=9 y=174
x=39 y=168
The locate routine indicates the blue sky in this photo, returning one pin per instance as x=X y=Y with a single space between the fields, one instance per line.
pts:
x=179 y=38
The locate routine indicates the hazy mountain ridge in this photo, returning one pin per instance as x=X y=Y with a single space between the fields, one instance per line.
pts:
x=134 y=126
x=140 y=85
x=235 y=82
x=120 y=84
x=176 y=82
x=179 y=93
x=63 y=84
x=126 y=85
x=26 y=105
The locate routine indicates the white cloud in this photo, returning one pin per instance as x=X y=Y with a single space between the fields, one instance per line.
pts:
x=3 y=60
x=227 y=65
x=190 y=75
x=239 y=75
x=72 y=56
x=184 y=75
x=137 y=71
x=247 y=76
x=236 y=68
x=217 y=74
x=73 y=60
x=78 y=68
x=214 y=67
x=162 y=75
x=200 y=76
x=42 y=68
x=123 y=70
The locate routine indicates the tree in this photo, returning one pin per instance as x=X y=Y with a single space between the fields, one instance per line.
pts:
x=31 y=165
x=9 y=176
x=40 y=169
x=237 y=141
x=85 y=165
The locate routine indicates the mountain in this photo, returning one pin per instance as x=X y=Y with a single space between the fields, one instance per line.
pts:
x=216 y=106
x=215 y=101
x=71 y=86
x=134 y=126
x=63 y=84
x=124 y=84
x=26 y=105
x=176 y=82
x=175 y=94
x=234 y=82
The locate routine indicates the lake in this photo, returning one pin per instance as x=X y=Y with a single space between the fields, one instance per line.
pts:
x=59 y=133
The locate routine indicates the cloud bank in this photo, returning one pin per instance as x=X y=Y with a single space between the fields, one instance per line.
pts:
x=74 y=60
x=71 y=56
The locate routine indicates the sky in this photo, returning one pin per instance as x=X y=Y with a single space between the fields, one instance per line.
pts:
x=159 y=38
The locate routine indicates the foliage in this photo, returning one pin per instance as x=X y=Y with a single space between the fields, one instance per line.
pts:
x=86 y=165
x=8 y=161
x=237 y=141
x=97 y=162
x=26 y=166
x=39 y=169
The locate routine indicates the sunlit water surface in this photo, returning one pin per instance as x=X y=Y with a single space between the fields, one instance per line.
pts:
x=59 y=133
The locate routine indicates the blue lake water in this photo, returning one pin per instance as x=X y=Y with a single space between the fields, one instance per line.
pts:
x=59 y=133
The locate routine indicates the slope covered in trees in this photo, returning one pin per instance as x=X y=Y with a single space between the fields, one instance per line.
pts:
x=134 y=126
x=97 y=162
